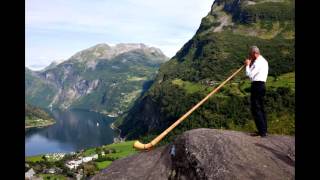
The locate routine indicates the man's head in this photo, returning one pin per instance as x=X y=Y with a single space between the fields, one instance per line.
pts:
x=254 y=52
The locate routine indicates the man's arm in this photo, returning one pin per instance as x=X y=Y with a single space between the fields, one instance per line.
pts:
x=252 y=71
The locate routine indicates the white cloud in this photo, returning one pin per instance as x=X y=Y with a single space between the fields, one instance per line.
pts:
x=56 y=28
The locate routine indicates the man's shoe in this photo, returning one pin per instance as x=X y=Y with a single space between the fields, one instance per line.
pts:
x=254 y=134
x=264 y=135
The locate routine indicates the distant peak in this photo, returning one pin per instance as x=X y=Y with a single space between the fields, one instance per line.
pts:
x=105 y=51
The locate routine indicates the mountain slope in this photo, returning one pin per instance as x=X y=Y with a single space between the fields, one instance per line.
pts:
x=36 y=117
x=101 y=78
x=38 y=91
x=218 y=48
x=210 y=154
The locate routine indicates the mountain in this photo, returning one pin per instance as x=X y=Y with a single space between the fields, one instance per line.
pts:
x=210 y=154
x=101 y=78
x=218 y=48
x=38 y=91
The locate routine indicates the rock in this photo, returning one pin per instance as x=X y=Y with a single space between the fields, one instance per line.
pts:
x=155 y=164
x=221 y=154
x=211 y=154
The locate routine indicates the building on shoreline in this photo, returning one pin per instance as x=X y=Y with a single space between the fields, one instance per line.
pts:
x=73 y=164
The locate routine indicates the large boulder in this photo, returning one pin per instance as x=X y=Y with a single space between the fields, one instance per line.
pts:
x=211 y=154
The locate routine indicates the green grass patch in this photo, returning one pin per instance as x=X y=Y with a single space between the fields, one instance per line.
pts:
x=190 y=87
x=283 y=124
x=103 y=164
x=285 y=80
x=34 y=158
x=268 y=11
x=38 y=122
x=129 y=97
x=123 y=149
x=52 y=177
x=89 y=152
x=259 y=29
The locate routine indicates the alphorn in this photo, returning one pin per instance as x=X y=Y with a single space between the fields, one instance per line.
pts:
x=140 y=146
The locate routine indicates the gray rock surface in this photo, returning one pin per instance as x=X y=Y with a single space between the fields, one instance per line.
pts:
x=211 y=154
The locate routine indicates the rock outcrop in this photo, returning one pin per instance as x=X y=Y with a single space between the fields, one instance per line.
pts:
x=210 y=154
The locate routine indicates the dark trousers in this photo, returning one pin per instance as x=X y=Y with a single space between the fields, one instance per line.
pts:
x=258 y=90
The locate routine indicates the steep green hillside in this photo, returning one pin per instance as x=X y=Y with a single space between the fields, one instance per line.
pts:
x=38 y=91
x=217 y=49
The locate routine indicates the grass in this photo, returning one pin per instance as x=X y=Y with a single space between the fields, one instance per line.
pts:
x=89 y=152
x=285 y=80
x=190 y=87
x=37 y=122
x=52 y=177
x=258 y=29
x=281 y=124
x=38 y=158
x=123 y=149
x=129 y=97
x=103 y=164
x=232 y=88
x=34 y=158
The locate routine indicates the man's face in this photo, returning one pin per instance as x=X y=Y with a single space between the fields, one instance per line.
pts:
x=252 y=55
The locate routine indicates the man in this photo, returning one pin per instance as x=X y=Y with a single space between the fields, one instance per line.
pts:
x=257 y=70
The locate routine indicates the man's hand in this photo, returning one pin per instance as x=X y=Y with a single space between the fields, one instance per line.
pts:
x=247 y=62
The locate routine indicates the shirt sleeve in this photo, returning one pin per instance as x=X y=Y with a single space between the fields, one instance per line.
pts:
x=252 y=71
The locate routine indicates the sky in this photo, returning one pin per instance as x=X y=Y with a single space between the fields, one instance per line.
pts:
x=57 y=29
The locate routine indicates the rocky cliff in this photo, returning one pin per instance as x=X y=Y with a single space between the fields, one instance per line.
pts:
x=210 y=154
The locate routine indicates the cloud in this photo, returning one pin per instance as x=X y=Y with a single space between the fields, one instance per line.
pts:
x=57 y=28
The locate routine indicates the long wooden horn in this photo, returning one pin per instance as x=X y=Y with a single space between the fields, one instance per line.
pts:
x=138 y=145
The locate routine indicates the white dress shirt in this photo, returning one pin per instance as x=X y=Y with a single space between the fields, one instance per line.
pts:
x=259 y=70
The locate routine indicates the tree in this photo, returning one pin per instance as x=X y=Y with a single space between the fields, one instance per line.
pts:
x=44 y=158
x=98 y=150
x=89 y=169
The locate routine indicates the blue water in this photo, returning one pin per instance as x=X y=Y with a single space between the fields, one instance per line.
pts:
x=73 y=130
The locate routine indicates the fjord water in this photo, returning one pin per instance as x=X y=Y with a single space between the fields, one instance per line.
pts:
x=73 y=130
